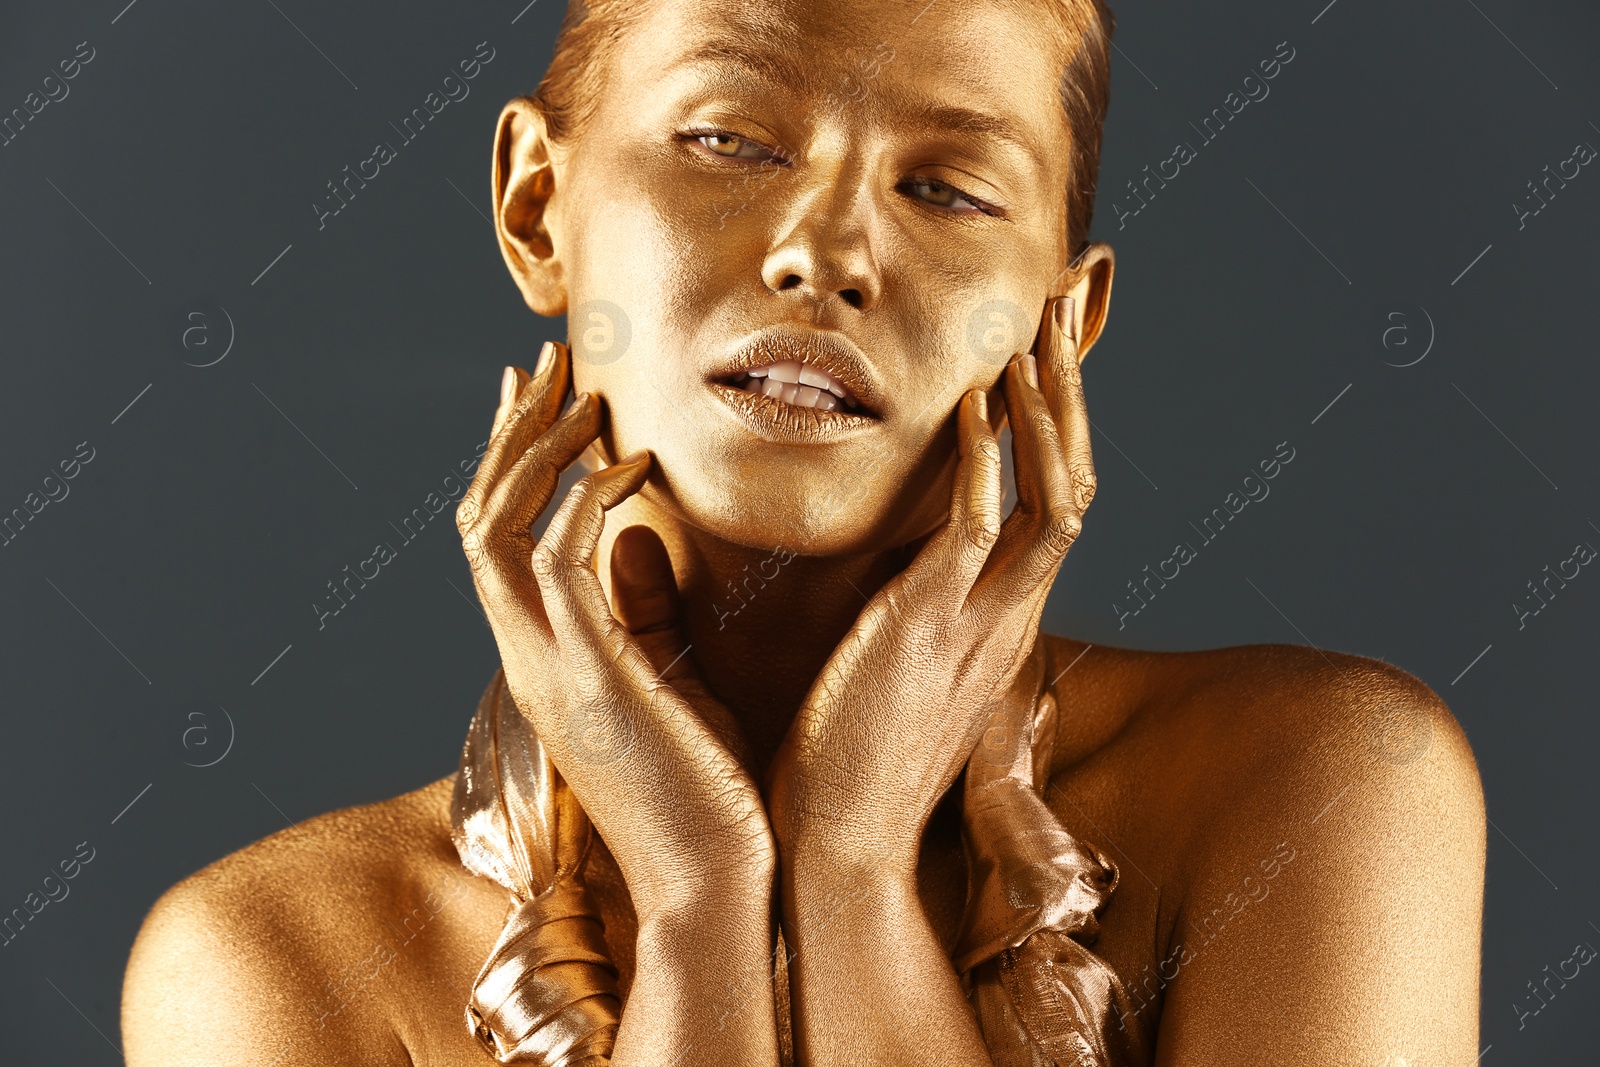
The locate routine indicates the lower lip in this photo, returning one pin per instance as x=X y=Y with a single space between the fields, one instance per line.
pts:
x=787 y=423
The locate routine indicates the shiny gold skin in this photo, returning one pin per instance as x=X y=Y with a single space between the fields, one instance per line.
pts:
x=790 y=766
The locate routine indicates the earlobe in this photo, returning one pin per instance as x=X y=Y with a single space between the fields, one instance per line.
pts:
x=524 y=189
x=1091 y=288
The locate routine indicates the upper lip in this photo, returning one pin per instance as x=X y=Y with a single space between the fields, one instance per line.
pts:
x=825 y=350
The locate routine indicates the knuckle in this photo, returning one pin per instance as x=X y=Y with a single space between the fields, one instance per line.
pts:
x=1062 y=526
x=979 y=526
x=546 y=561
x=986 y=451
x=475 y=545
x=982 y=530
x=467 y=513
x=1084 y=484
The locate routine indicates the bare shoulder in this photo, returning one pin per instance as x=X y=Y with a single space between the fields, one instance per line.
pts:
x=1265 y=720
x=257 y=957
x=1356 y=756
x=1316 y=821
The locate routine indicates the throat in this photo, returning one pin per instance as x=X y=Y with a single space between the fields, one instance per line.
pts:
x=764 y=627
x=761 y=623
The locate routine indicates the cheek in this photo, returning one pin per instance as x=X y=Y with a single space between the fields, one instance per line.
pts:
x=647 y=288
x=962 y=314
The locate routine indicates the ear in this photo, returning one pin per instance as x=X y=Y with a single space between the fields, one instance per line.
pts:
x=1089 y=283
x=524 y=191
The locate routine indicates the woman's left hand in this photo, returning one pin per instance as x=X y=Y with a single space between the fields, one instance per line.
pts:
x=899 y=707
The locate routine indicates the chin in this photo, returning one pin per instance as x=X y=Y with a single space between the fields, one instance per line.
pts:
x=811 y=512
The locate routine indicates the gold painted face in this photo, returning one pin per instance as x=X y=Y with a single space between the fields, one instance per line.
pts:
x=866 y=196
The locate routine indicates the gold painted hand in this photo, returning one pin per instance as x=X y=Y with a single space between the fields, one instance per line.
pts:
x=650 y=755
x=899 y=707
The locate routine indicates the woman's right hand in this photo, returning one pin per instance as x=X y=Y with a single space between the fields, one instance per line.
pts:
x=651 y=756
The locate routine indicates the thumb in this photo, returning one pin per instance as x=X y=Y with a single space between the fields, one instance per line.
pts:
x=647 y=604
x=645 y=599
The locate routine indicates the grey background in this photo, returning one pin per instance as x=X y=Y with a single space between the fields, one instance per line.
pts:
x=1254 y=292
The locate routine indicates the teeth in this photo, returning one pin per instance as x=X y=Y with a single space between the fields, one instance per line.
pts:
x=813 y=377
x=769 y=381
x=813 y=386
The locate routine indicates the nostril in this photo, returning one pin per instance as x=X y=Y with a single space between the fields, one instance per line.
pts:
x=852 y=297
x=789 y=282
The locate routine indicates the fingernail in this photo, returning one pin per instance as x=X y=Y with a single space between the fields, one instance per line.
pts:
x=508 y=384
x=1067 y=317
x=640 y=456
x=577 y=402
x=980 y=402
x=1030 y=369
x=545 y=354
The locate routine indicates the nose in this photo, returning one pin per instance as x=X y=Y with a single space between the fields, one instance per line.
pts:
x=824 y=247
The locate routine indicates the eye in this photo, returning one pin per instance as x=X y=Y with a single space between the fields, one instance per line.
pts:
x=947 y=197
x=732 y=146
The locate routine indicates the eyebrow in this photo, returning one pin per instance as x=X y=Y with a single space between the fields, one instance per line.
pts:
x=774 y=64
x=778 y=65
x=966 y=120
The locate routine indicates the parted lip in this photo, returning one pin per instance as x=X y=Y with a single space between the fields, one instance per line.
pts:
x=825 y=350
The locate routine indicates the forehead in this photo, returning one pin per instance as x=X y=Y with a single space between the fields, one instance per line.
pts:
x=991 y=58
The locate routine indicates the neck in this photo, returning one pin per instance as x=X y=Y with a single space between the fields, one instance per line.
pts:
x=761 y=622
